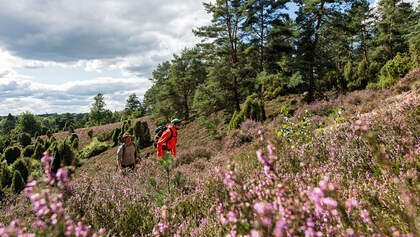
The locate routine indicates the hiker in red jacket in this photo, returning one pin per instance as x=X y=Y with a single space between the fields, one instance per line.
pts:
x=169 y=138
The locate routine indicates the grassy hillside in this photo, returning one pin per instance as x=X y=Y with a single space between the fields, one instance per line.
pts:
x=346 y=165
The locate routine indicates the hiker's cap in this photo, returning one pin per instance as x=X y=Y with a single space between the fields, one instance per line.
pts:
x=175 y=121
x=125 y=136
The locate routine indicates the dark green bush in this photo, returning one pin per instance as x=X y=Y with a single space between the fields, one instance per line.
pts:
x=74 y=141
x=5 y=176
x=21 y=166
x=38 y=152
x=116 y=139
x=393 y=70
x=18 y=184
x=24 y=139
x=251 y=110
x=28 y=151
x=90 y=133
x=141 y=134
x=4 y=143
x=11 y=154
x=63 y=154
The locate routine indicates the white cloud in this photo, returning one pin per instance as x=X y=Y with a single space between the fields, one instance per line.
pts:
x=106 y=34
x=19 y=95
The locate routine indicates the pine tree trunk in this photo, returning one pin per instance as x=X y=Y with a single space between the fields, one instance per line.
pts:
x=262 y=58
x=364 y=46
x=312 y=57
x=234 y=57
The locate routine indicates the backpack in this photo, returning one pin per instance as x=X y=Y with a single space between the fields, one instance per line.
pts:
x=121 y=151
x=158 y=133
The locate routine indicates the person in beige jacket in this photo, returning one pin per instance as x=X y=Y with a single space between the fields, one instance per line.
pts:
x=127 y=153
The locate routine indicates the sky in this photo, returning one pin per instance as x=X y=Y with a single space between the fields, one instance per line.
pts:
x=56 y=55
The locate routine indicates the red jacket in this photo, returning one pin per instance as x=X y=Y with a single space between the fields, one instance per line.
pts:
x=167 y=141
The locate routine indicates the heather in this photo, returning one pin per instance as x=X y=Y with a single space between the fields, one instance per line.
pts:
x=346 y=166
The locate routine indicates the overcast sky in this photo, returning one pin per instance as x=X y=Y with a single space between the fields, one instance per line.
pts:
x=56 y=55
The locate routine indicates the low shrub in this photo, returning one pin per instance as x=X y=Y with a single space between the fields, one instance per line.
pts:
x=11 y=154
x=392 y=71
x=24 y=139
x=116 y=136
x=105 y=136
x=21 y=166
x=74 y=141
x=38 y=151
x=5 y=176
x=189 y=156
x=94 y=148
x=63 y=154
x=141 y=134
x=18 y=184
x=252 y=110
x=28 y=151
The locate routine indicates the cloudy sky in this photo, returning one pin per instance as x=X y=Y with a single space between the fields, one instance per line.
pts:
x=55 y=56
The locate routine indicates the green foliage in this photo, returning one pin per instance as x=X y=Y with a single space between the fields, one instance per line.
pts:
x=105 y=136
x=141 y=134
x=8 y=124
x=74 y=141
x=11 y=154
x=21 y=166
x=4 y=143
x=116 y=139
x=392 y=71
x=295 y=132
x=5 y=176
x=24 y=139
x=333 y=80
x=63 y=154
x=90 y=133
x=39 y=150
x=251 y=110
x=94 y=148
x=18 y=184
x=28 y=123
x=136 y=220
x=98 y=114
x=37 y=169
x=166 y=163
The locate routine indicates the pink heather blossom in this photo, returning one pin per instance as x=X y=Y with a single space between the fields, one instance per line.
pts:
x=280 y=228
x=329 y=202
x=263 y=208
x=232 y=217
x=255 y=233
x=351 y=203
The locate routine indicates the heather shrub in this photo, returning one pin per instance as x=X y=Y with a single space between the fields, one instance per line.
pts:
x=189 y=156
x=141 y=134
x=250 y=129
x=94 y=148
x=21 y=166
x=136 y=219
x=18 y=184
x=28 y=151
x=50 y=218
x=11 y=154
x=24 y=139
